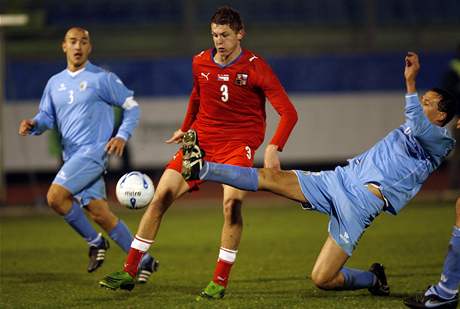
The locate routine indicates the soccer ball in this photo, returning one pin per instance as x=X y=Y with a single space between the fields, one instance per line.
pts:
x=135 y=190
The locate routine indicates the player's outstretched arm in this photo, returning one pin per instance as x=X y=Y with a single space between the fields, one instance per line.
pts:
x=26 y=126
x=411 y=71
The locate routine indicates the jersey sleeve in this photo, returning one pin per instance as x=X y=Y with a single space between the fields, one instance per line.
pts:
x=434 y=139
x=114 y=92
x=279 y=99
x=193 y=104
x=46 y=116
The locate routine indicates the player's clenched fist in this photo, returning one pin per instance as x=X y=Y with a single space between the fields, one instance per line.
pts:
x=412 y=66
x=25 y=126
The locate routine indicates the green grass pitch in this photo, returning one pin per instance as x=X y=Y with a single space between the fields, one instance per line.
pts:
x=43 y=262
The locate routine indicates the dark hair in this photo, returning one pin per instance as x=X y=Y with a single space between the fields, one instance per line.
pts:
x=447 y=104
x=225 y=15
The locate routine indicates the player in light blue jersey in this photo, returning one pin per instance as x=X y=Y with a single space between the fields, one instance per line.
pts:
x=384 y=178
x=78 y=102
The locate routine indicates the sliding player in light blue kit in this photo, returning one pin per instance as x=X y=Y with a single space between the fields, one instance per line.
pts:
x=384 y=178
x=78 y=102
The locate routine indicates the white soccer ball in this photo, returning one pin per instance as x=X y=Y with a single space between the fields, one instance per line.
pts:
x=135 y=190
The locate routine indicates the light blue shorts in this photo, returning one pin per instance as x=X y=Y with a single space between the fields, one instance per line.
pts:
x=351 y=206
x=83 y=177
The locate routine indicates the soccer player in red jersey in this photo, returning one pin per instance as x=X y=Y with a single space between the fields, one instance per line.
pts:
x=227 y=110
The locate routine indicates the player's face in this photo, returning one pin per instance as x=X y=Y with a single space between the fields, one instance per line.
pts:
x=77 y=48
x=226 y=41
x=430 y=102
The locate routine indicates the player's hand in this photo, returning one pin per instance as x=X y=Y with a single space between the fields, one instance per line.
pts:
x=25 y=126
x=458 y=124
x=116 y=146
x=412 y=66
x=176 y=138
x=271 y=158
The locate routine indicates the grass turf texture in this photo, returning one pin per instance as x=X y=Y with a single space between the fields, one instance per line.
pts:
x=43 y=262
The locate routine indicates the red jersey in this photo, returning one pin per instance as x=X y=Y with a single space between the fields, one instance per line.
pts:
x=228 y=102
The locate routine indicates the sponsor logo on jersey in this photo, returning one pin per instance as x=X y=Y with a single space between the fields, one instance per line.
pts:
x=223 y=77
x=241 y=79
x=62 y=175
x=345 y=237
x=61 y=87
x=83 y=85
x=205 y=75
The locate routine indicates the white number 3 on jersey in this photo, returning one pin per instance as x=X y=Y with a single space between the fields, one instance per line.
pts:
x=248 y=152
x=224 y=90
x=71 y=98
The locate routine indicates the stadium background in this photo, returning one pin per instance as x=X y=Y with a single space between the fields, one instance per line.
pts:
x=341 y=62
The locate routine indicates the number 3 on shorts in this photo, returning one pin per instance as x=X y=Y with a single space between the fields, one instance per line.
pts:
x=248 y=152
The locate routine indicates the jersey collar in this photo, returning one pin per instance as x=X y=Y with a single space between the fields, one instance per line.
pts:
x=213 y=52
x=73 y=74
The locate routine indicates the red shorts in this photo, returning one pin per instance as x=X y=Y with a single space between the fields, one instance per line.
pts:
x=233 y=153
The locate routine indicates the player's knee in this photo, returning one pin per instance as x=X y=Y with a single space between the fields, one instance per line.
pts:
x=321 y=280
x=232 y=211
x=56 y=201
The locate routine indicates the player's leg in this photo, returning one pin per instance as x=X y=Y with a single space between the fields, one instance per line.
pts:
x=329 y=272
x=61 y=200
x=170 y=187
x=326 y=273
x=447 y=287
x=76 y=175
x=284 y=183
x=95 y=198
x=445 y=292
x=119 y=232
x=194 y=167
x=230 y=240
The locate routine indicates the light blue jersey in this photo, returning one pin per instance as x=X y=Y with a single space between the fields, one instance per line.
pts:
x=402 y=161
x=398 y=164
x=79 y=105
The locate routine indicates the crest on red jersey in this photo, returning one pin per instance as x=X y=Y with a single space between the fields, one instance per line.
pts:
x=241 y=79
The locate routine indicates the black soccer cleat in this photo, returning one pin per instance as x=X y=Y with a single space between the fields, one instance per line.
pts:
x=380 y=288
x=430 y=301
x=192 y=156
x=97 y=255
x=146 y=269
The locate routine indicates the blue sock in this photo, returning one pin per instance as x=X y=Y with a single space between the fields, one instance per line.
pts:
x=245 y=178
x=357 y=279
x=450 y=278
x=78 y=221
x=122 y=236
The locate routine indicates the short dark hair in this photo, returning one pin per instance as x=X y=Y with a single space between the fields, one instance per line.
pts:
x=226 y=15
x=447 y=104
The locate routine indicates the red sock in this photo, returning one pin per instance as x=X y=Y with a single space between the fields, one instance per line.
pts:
x=222 y=272
x=132 y=261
